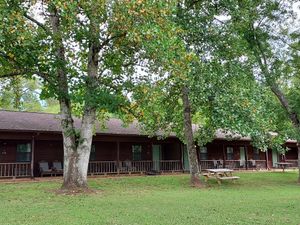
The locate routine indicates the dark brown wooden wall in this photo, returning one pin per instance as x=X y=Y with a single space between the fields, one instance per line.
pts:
x=126 y=150
x=48 y=151
x=8 y=150
x=214 y=150
x=171 y=151
x=292 y=153
x=106 y=151
x=48 y=147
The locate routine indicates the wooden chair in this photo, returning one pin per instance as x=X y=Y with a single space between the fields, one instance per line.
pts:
x=242 y=164
x=57 y=168
x=44 y=168
x=252 y=163
x=215 y=164
x=220 y=163
x=126 y=166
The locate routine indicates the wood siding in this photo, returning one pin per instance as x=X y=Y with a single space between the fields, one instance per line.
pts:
x=49 y=148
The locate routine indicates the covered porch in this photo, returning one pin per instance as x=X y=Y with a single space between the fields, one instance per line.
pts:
x=238 y=155
x=138 y=156
x=109 y=155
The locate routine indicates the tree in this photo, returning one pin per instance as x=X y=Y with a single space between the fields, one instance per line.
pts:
x=87 y=53
x=20 y=94
x=266 y=28
x=210 y=94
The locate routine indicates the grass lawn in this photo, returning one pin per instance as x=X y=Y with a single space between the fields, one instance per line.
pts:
x=257 y=198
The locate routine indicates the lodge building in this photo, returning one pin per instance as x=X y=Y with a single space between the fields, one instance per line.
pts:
x=28 y=139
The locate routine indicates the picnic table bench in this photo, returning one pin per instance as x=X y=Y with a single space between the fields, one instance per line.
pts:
x=283 y=165
x=219 y=175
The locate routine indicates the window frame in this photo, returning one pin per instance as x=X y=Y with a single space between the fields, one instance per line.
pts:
x=21 y=155
x=256 y=155
x=136 y=150
x=203 y=155
x=229 y=155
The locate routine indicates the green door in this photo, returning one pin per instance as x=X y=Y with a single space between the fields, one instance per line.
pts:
x=242 y=156
x=156 y=157
x=274 y=158
x=186 y=163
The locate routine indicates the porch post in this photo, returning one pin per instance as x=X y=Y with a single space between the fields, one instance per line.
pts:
x=267 y=160
x=246 y=156
x=118 y=157
x=224 y=156
x=32 y=157
x=181 y=158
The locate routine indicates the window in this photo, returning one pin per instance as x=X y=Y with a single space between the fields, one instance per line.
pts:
x=229 y=151
x=93 y=153
x=256 y=154
x=136 y=152
x=23 y=152
x=203 y=153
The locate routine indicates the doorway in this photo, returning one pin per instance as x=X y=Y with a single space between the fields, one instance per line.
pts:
x=156 y=157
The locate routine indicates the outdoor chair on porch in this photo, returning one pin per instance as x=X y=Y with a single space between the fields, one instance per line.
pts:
x=252 y=163
x=57 y=168
x=218 y=164
x=230 y=165
x=242 y=164
x=126 y=166
x=44 y=169
x=215 y=164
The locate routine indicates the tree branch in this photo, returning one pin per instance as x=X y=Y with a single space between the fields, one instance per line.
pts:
x=23 y=72
x=13 y=74
x=262 y=60
x=105 y=42
x=37 y=23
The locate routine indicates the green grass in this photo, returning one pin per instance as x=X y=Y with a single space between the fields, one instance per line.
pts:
x=257 y=198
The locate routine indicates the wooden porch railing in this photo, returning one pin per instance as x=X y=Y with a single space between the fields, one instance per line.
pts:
x=102 y=167
x=294 y=162
x=170 y=165
x=257 y=164
x=106 y=167
x=110 y=167
x=15 y=169
x=135 y=166
x=210 y=164
x=233 y=164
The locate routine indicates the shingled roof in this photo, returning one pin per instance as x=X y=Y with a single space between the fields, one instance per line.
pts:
x=47 y=122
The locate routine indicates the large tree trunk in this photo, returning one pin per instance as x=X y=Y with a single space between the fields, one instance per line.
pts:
x=191 y=149
x=77 y=153
x=298 y=148
x=282 y=98
x=76 y=147
x=293 y=116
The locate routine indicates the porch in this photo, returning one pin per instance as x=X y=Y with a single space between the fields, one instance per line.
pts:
x=115 y=167
x=14 y=170
x=22 y=158
x=134 y=155
x=234 y=164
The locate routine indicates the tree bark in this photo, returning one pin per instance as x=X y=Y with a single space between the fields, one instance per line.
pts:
x=298 y=148
x=293 y=116
x=191 y=149
x=291 y=113
x=76 y=147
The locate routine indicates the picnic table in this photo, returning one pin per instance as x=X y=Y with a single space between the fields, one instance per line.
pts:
x=219 y=175
x=283 y=165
